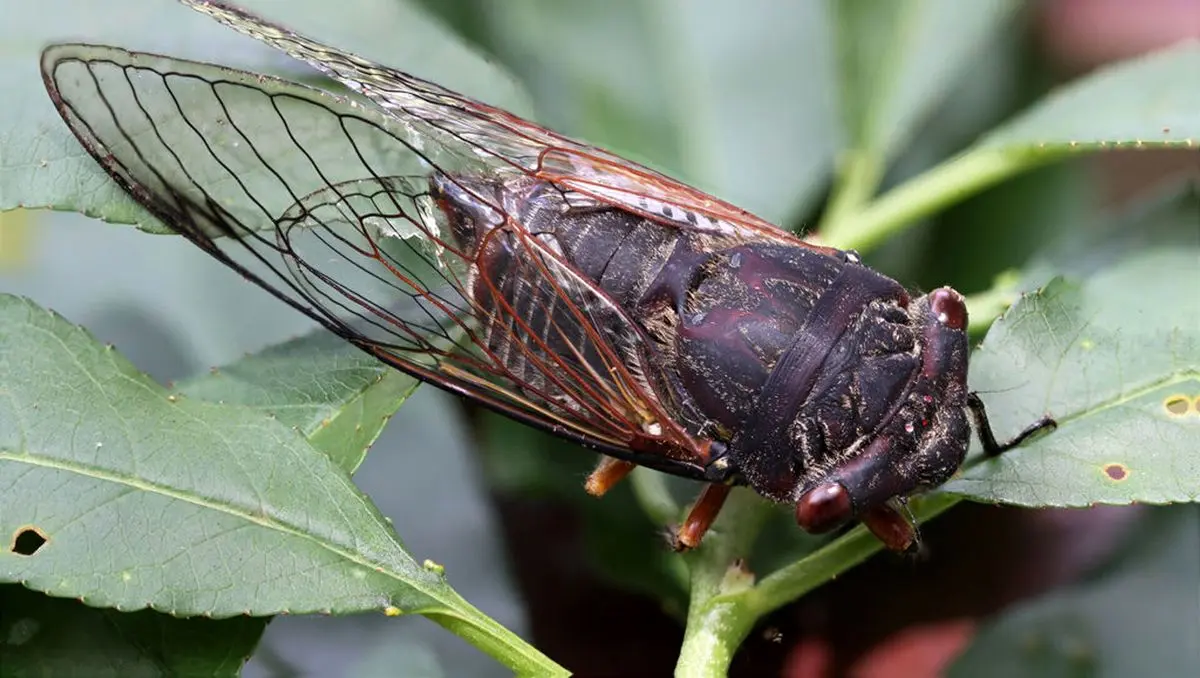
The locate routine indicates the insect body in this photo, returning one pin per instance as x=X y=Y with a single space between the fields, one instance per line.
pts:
x=548 y=280
x=819 y=382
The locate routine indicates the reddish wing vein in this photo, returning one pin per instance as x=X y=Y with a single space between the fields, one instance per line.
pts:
x=512 y=143
x=325 y=203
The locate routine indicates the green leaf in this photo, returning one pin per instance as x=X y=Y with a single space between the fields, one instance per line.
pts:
x=1137 y=619
x=340 y=400
x=149 y=500
x=42 y=164
x=1147 y=102
x=1109 y=358
x=41 y=636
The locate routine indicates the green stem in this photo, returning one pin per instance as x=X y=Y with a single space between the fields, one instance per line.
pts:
x=792 y=581
x=710 y=641
x=946 y=184
x=715 y=572
x=496 y=641
x=860 y=175
x=726 y=604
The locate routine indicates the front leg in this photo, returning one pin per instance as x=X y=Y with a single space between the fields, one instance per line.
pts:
x=984 y=427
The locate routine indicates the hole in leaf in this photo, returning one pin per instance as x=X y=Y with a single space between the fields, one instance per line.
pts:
x=1176 y=404
x=27 y=541
x=1116 y=471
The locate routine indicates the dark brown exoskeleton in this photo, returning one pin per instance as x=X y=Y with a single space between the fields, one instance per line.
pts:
x=821 y=382
x=546 y=279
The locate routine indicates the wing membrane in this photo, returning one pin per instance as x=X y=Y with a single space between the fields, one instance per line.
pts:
x=509 y=143
x=325 y=202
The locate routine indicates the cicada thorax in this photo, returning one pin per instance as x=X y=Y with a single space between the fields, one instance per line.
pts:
x=821 y=371
x=816 y=371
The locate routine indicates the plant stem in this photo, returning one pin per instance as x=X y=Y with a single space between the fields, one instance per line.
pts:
x=789 y=583
x=726 y=604
x=861 y=171
x=708 y=646
x=946 y=184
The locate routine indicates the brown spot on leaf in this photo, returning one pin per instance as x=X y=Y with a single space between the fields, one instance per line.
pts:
x=1116 y=471
x=1176 y=405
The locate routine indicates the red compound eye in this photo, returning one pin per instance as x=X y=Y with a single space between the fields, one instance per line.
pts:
x=823 y=508
x=949 y=308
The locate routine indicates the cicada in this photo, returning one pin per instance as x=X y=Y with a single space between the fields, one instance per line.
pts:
x=544 y=278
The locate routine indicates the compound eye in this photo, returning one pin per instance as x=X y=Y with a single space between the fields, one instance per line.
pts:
x=948 y=307
x=823 y=508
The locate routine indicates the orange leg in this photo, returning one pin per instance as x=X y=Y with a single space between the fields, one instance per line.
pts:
x=608 y=473
x=892 y=528
x=701 y=517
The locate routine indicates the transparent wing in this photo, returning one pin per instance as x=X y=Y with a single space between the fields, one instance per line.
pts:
x=325 y=202
x=510 y=143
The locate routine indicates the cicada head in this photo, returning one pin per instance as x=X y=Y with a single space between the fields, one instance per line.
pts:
x=914 y=399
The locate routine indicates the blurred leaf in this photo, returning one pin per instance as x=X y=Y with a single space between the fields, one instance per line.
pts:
x=752 y=88
x=42 y=636
x=15 y=240
x=898 y=60
x=1164 y=217
x=340 y=400
x=624 y=545
x=404 y=658
x=1109 y=364
x=1142 y=102
x=601 y=84
x=41 y=163
x=1146 y=102
x=736 y=98
x=1139 y=619
x=1001 y=83
x=191 y=508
